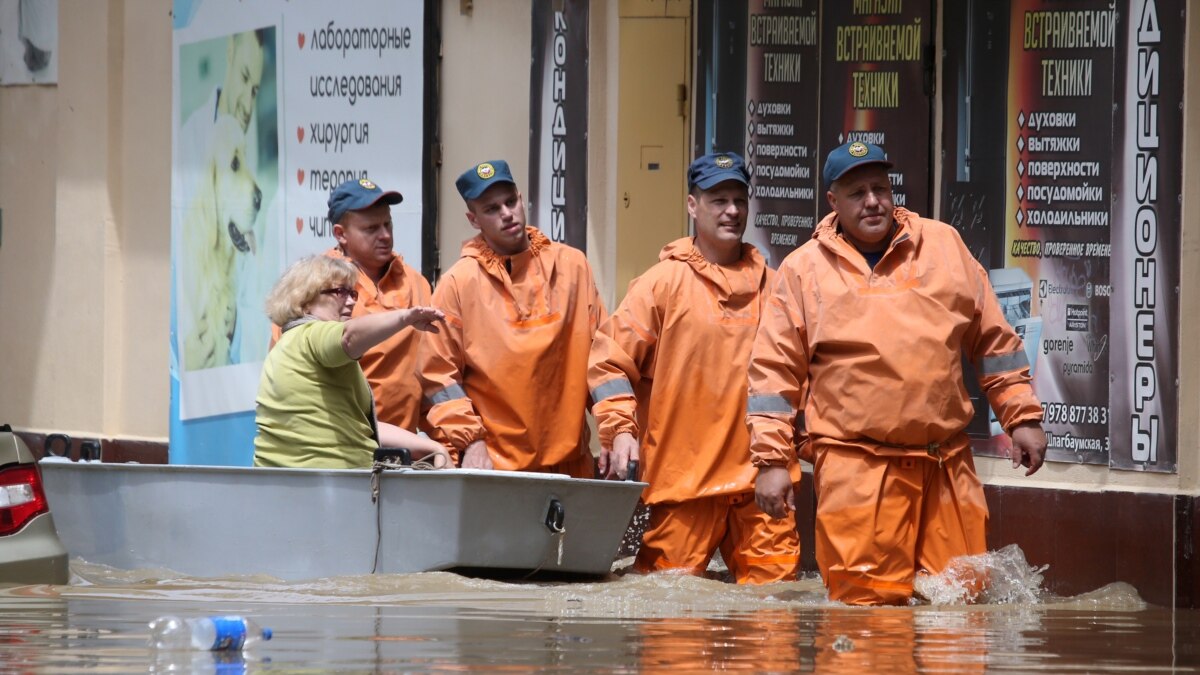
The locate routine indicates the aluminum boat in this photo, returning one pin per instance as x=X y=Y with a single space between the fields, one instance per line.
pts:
x=206 y=521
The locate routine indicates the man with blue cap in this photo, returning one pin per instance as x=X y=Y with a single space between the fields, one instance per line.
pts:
x=668 y=372
x=865 y=331
x=505 y=380
x=361 y=215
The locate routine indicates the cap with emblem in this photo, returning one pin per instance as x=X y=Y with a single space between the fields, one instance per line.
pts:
x=711 y=169
x=849 y=156
x=355 y=195
x=477 y=179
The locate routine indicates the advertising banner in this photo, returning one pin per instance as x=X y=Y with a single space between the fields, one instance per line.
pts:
x=1082 y=239
x=558 y=92
x=274 y=103
x=1057 y=212
x=876 y=61
x=783 y=70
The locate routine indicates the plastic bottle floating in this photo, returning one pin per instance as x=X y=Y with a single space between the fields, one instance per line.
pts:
x=214 y=633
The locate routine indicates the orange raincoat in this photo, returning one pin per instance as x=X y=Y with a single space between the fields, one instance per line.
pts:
x=880 y=351
x=390 y=366
x=510 y=364
x=679 y=344
x=669 y=367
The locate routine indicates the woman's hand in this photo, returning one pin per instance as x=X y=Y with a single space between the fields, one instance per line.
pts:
x=439 y=458
x=363 y=332
x=422 y=318
x=422 y=447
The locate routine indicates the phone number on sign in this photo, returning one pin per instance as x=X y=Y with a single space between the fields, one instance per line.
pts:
x=1062 y=413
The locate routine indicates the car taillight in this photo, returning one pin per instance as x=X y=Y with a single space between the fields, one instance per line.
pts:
x=21 y=497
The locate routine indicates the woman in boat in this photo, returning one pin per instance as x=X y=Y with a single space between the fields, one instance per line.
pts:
x=314 y=407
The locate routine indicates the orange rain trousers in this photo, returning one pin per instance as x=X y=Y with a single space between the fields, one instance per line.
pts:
x=756 y=548
x=881 y=519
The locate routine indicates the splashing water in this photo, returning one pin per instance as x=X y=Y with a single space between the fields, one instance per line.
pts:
x=1000 y=577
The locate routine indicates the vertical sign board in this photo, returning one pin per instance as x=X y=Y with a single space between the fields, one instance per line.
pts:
x=1146 y=232
x=558 y=109
x=1057 y=206
x=274 y=104
x=873 y=72
x=783 y=67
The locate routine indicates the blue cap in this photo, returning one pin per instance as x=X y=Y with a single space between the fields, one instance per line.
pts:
x=354 y=195
x=709 y=170
x=477 y=179
x=850 y=156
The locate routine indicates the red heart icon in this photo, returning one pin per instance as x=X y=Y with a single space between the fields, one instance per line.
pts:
x=300 y=134
x=300 y=40
x=299 y=225
x=300 y=176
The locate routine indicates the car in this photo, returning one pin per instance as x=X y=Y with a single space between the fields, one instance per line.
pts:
x=30 y=551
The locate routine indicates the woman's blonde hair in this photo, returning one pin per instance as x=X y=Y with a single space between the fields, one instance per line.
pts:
x=303 y=282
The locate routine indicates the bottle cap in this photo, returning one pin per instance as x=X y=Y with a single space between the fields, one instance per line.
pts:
x=266 y=633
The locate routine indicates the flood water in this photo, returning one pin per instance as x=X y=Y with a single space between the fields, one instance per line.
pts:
x=625 y=623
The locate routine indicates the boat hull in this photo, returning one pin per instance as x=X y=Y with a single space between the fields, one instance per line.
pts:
x=303 y=523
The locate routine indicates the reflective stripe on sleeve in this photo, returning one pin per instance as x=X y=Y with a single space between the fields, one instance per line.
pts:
x=450 y=393
x=1005 y=362
x=617 y=387
x=768 y=404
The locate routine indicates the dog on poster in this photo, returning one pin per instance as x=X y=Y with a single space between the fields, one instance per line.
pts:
x=218 y=225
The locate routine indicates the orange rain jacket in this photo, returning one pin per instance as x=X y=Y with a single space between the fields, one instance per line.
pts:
x=881 y=350
x=669 y=367
x=510 y=364
x=390 y=365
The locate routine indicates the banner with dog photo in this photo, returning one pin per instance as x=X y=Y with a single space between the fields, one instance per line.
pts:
x=254 y=159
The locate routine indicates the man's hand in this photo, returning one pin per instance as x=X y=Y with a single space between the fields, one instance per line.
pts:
x=475 y=456
x=1028 y=446
x=614 y=463
x=773 y=491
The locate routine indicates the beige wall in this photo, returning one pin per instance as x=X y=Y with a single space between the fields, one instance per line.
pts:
x=485 y=104
x=85 y=197
x=604 y=40
x=85 y=189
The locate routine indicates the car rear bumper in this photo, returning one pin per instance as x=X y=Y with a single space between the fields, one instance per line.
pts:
x=34 y=555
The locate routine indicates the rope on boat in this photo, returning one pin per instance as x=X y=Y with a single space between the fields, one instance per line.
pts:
x=558 y=539
x=376 y=469
x=392 y=463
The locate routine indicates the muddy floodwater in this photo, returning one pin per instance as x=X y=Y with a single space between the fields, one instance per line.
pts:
x=624 y=623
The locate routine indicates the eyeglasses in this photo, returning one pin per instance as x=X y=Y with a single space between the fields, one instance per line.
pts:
x=342 y=292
